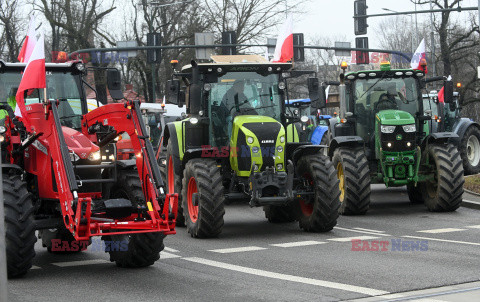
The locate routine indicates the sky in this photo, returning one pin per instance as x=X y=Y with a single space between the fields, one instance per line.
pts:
x=334 y=18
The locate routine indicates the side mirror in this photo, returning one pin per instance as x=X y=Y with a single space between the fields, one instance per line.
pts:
x=448 y=97
x=173 y=95
x=315 y=93
x=114 y=84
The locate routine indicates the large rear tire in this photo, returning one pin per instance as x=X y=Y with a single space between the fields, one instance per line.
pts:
x=203 y=198
x=19 y=227
x=319 y=212
x=280 y=214
x=353 y=174
x=137 y=250
x=173 y=182
x=470 y=150
x=444 y=192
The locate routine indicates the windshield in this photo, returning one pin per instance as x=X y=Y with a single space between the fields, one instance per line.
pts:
x=61 y=86
x=241 y=93
x=386 y=93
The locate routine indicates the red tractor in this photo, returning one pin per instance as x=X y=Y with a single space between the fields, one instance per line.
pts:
x=62 y=177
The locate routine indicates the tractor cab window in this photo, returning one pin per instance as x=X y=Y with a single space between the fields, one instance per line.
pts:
x=66 y=88
x=373 y=95
x=241 y=93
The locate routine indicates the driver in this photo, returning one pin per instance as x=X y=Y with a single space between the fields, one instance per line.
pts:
x=10 y=101
x=387 y=100
x=235 y=99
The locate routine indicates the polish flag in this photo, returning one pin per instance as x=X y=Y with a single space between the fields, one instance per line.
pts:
x=29 y=43
x=441 y=95
x=284 y=48
x=418 y=57
x=33 y=77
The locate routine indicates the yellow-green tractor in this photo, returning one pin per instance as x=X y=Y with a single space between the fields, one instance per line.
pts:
x=240 y=142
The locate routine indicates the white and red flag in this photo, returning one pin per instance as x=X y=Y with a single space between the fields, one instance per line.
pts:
x=29 y=43
x=419 y=58
x=33 y=77
x=284 y=48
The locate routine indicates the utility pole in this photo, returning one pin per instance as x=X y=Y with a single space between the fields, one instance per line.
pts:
x=3 y=255
x=432 y=47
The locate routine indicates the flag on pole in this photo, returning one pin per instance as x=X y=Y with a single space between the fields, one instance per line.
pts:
x=284 y=47
x=441 y=93
x=33 y=77
x=29 y=43
x=327 y=90
x=419 y=58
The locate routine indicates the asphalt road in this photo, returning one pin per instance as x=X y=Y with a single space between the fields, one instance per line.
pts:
x=254 y=260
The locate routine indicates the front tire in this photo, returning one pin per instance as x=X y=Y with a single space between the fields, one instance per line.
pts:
x=470 y=150
x=19 y=227
x=203 y=199
x=318 y=213
x=136 y=250
x=353 y=174
x=415 y=194
x=279 y=214
x=444 y=192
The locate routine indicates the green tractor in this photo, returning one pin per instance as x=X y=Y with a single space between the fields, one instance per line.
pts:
x=241 y=143
x=383 y=136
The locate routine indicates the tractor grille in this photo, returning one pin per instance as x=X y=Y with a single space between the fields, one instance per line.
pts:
x=267 y=134
x=399 y=140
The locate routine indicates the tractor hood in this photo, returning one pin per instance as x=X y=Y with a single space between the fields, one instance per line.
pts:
x=395 y=117
x=257 y=139
x=79 y=143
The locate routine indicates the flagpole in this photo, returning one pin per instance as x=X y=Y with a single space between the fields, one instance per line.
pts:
x=45 y=95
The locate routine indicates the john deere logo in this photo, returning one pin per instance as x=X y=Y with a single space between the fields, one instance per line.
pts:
x=399 y=137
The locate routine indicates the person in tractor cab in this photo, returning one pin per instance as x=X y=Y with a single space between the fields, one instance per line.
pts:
x=10 y=100
x=235 y=99
x=387 y=100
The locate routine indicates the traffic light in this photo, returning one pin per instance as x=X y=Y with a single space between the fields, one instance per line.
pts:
x=229 y=37
x=298 y=50
x=360 y=9
x=363 y=57
x=154 y=56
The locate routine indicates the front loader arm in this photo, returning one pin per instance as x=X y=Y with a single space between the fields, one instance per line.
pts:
x=126 y=117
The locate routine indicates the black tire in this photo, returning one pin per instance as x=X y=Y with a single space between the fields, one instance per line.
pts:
x=142 y=249
x=320 y=213
x=19 y=227
x=176 y=183
x=470 y=150
x=415 y=194
x=355 y=185
x=324 y=141
x=280 y=214
x=444 y=193
x=202 y=182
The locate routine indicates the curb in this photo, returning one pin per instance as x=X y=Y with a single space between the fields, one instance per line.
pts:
x=471 y=192
x=470 y=204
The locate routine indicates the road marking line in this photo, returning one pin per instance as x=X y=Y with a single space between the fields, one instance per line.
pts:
x=170 y=250
x=443 y=240
x=369 y=230
x=79 y=263
x=473 y=226
x=238 y=249
x=438 y=231
x=363 y=232
x=347 y=239
x=273 y=275
x=35 y=267
x=165 y=255
x=298 y=243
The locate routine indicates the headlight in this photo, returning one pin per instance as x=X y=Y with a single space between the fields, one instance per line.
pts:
x=255 y=149
x=409 y=128
x=389 y=145
x=304 y=119
x=3 y=129
x=279 y=149
x=282 y=139
x=250 y=140
x=387 y=129
x=193 y=120
x=2 y=138
x=95 y=156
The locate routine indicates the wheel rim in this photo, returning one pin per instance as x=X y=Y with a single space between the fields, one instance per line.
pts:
x=473 y=150
x=341 y=178
x=306 y=207
x=171 y=179
x=192 y=209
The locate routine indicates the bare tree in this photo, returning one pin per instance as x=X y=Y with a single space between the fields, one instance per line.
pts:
x=11 y=25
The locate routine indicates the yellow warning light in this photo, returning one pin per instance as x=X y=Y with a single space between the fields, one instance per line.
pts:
x=344 y=65
x=174 y=62
x=459 y=85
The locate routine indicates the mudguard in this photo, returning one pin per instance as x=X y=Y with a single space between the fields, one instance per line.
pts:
x=440 y=137
x=460 y=127
x=10 y=167
x=305 y=150
x=318 y=133
x=341 y=141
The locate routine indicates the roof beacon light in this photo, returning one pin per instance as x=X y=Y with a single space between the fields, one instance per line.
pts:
x=344 y=65
x=385 y=66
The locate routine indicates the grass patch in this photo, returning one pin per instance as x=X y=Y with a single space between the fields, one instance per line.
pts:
x=472 y=183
